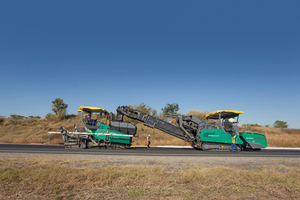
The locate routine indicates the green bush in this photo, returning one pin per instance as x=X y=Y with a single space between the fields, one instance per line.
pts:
x=50 y=116
x=255 y=125
x=61 y=115
x=34 y=117
x=14 y=121
x=14 y=116
x=170 y=109
x=60 y=110
x=59 y=106
x=280 y=124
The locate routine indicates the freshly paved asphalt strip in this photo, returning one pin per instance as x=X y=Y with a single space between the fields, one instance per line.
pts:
x=143 y=151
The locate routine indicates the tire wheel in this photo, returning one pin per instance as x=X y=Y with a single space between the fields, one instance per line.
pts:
x=90 y=145
x=83 y=144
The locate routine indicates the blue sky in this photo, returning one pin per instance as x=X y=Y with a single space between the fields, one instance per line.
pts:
x=207 y=55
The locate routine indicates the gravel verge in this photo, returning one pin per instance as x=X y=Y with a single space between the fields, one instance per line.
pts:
x=169 y=162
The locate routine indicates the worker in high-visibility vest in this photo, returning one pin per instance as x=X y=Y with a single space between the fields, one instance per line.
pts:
x=64 y=133
x=231 y=120
x=233 y=142
x=148 y=140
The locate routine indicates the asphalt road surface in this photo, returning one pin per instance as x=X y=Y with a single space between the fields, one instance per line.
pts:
x=142 y=151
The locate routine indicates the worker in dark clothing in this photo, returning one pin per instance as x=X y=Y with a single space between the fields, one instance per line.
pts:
x=64 y=133
x=148 y=140
x=233 y=142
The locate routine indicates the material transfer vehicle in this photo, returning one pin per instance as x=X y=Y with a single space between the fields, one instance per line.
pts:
x=214 y=133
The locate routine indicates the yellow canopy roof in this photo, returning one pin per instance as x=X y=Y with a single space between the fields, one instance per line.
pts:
x=224 y=114
x=91 y=109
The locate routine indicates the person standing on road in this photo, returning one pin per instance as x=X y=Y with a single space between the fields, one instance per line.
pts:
x=148 y=140
x=64 y=133
x=233 y=142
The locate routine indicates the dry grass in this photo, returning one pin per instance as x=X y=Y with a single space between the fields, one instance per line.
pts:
x=32 y=130
x=50 y=178
x=35 y=131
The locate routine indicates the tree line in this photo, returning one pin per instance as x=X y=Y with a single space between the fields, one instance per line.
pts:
x=59 y=109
